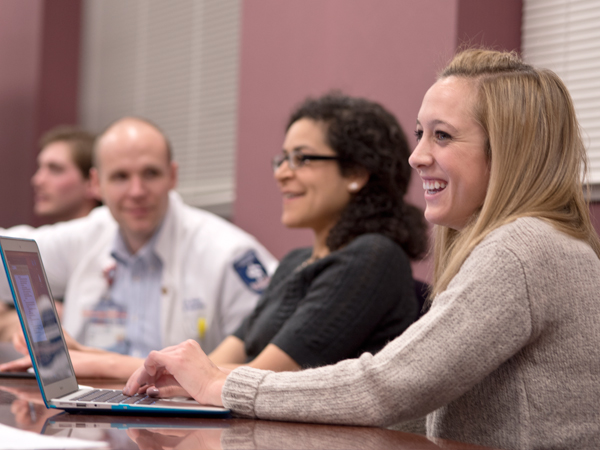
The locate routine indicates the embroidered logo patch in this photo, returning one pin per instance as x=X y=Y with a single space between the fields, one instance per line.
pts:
x=252 y=272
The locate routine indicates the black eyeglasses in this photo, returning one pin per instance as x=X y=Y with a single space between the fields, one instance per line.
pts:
x=297 y=159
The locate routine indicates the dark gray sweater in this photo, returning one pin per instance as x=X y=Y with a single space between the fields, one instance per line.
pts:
x=352 y=301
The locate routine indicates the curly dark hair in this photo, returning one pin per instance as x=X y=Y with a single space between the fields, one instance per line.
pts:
x=365 y=135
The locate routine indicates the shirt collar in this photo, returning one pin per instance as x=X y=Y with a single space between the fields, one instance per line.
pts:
x=122 y=254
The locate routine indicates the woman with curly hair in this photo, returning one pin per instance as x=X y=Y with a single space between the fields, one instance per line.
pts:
x=343 y=173
x=507 y=354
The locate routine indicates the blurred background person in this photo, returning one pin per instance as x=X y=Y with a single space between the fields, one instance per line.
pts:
x=62 y=189
x=147 y=255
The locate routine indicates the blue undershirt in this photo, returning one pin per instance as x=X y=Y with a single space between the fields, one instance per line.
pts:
x=137 y=288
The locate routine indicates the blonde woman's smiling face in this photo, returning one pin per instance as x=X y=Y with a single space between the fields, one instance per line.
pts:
x=450 y=154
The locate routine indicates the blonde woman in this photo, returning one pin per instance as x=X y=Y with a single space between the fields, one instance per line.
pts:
x=507 y=355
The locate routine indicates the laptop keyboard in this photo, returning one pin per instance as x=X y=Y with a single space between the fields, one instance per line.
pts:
x=115 y=397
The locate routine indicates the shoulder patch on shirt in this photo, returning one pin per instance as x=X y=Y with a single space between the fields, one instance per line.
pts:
x=252 y=272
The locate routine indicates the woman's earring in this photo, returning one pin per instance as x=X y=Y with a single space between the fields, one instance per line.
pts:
x=353 y=187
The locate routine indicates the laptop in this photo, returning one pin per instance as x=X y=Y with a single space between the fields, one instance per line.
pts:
x=48 y=350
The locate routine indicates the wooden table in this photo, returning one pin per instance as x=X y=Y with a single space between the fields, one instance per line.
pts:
x=21 y=406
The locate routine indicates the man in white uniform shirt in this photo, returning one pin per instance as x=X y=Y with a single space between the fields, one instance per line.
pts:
x=147 y=271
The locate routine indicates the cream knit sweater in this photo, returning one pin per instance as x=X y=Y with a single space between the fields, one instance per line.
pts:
x=508 y=356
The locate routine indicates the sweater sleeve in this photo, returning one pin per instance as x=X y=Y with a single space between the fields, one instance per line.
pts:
x=346 y=304
x=480 y=321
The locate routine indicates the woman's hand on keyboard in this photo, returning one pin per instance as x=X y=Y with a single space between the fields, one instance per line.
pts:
x=182 y=369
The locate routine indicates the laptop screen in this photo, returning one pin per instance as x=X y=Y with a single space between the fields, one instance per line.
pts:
x=40 y=319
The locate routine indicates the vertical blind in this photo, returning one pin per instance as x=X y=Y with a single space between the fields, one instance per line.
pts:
x=564 y=36
x=175 y=63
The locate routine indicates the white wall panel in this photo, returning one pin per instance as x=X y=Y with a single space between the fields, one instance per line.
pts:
x=176 y=63
x=564 y=36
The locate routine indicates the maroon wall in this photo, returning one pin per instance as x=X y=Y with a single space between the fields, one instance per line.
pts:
x=20 y=37
x=491 y=23
x=38 y=89
x=386 y=50
x=59 y=74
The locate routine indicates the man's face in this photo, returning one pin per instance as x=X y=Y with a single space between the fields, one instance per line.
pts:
x=134 y=176
x=61 y=191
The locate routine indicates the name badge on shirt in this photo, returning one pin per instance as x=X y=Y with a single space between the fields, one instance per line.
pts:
x=106 y=326
x=106 y=322
x=252 y=272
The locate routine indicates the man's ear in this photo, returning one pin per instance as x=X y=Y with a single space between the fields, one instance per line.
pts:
x=174 y=174
x=94 y=184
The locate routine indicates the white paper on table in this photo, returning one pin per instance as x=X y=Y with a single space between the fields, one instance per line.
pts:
x=15 y=439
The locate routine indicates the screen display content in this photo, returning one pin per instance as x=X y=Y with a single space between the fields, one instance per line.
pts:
x=40 y=319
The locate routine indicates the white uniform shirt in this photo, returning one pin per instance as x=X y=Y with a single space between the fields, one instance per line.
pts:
x=212 y=275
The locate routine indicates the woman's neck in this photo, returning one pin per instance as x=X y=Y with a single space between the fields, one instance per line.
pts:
x=320 y=249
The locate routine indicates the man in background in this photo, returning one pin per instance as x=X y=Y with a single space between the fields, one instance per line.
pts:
x=62 y=188
x=146 y=271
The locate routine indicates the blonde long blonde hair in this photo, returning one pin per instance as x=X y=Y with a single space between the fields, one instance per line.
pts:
x=536 y=155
